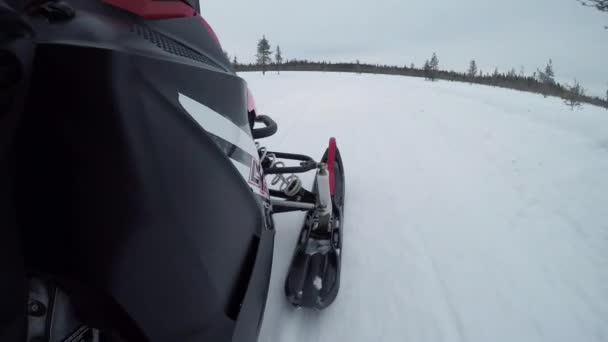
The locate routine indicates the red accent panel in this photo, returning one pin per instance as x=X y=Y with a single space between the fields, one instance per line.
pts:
x=250 y=102
x=149 y=9
x=154 y=9
x=331 y=159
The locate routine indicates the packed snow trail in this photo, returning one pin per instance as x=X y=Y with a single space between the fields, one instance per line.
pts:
x=472 y=213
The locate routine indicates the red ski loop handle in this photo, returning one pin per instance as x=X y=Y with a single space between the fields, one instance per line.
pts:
x=331 y=159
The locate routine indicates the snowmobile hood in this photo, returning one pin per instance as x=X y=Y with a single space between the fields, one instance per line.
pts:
x=136 y=197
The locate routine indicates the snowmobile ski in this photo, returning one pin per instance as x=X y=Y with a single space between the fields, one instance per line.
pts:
x=313 y=278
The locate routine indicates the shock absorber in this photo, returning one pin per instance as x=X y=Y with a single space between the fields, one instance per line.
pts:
x=324 y=200
x=289 y=185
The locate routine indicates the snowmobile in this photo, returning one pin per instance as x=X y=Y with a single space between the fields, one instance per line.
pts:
x=134 y=195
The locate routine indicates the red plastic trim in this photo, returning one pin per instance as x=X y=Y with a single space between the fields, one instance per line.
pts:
x=250 y=102
x=154 y=9
x=331 y=159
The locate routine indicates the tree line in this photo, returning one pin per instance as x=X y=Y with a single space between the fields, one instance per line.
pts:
x=542 y=81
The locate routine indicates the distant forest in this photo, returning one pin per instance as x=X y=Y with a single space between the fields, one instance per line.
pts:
x=542 y=81
x=539 y=83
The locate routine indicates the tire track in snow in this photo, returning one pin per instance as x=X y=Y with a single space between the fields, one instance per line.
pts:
x=423 y=124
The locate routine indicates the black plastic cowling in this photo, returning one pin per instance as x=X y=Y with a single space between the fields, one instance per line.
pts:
x=116 y=188
x=16 y=55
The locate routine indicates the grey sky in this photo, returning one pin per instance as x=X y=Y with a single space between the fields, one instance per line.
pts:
x=503 y=34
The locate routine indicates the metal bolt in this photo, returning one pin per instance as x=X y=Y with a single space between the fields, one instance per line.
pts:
x=36 y=308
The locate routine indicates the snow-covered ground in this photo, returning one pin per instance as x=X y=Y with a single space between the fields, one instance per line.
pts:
x=473 y=213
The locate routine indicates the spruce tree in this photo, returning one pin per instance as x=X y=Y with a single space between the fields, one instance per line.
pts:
x=546 y=77
x=574 y=95
x=549 y=73
x=279 y=59
x=263 y=54
x=427 y=70
x=434 y=66
x=472 y=72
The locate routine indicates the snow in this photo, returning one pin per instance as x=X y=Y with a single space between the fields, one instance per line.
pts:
x=318 y=283
x=472 y=213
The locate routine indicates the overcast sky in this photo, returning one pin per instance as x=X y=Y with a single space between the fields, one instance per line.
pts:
x=504 y=34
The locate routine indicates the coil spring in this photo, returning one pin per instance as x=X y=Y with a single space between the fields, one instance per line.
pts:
x=290 y=185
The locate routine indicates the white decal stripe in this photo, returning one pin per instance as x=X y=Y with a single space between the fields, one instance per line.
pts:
x=218 y=125
x=243 y=170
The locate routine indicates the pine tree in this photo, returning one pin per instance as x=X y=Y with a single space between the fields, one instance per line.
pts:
x=540 y=76
x=434 y=63
x=279 y=59
x=574 y=95
x=427 y=70
x=235 y=62
x=434 y=67
x=549 y=73
x=412 y=66
x=263 y=54
x=226 y=54
x=495 y=74
x=358 y=67
x=546 y=77
x=472 y=72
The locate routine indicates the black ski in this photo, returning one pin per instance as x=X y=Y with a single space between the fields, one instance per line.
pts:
x=313 y=280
